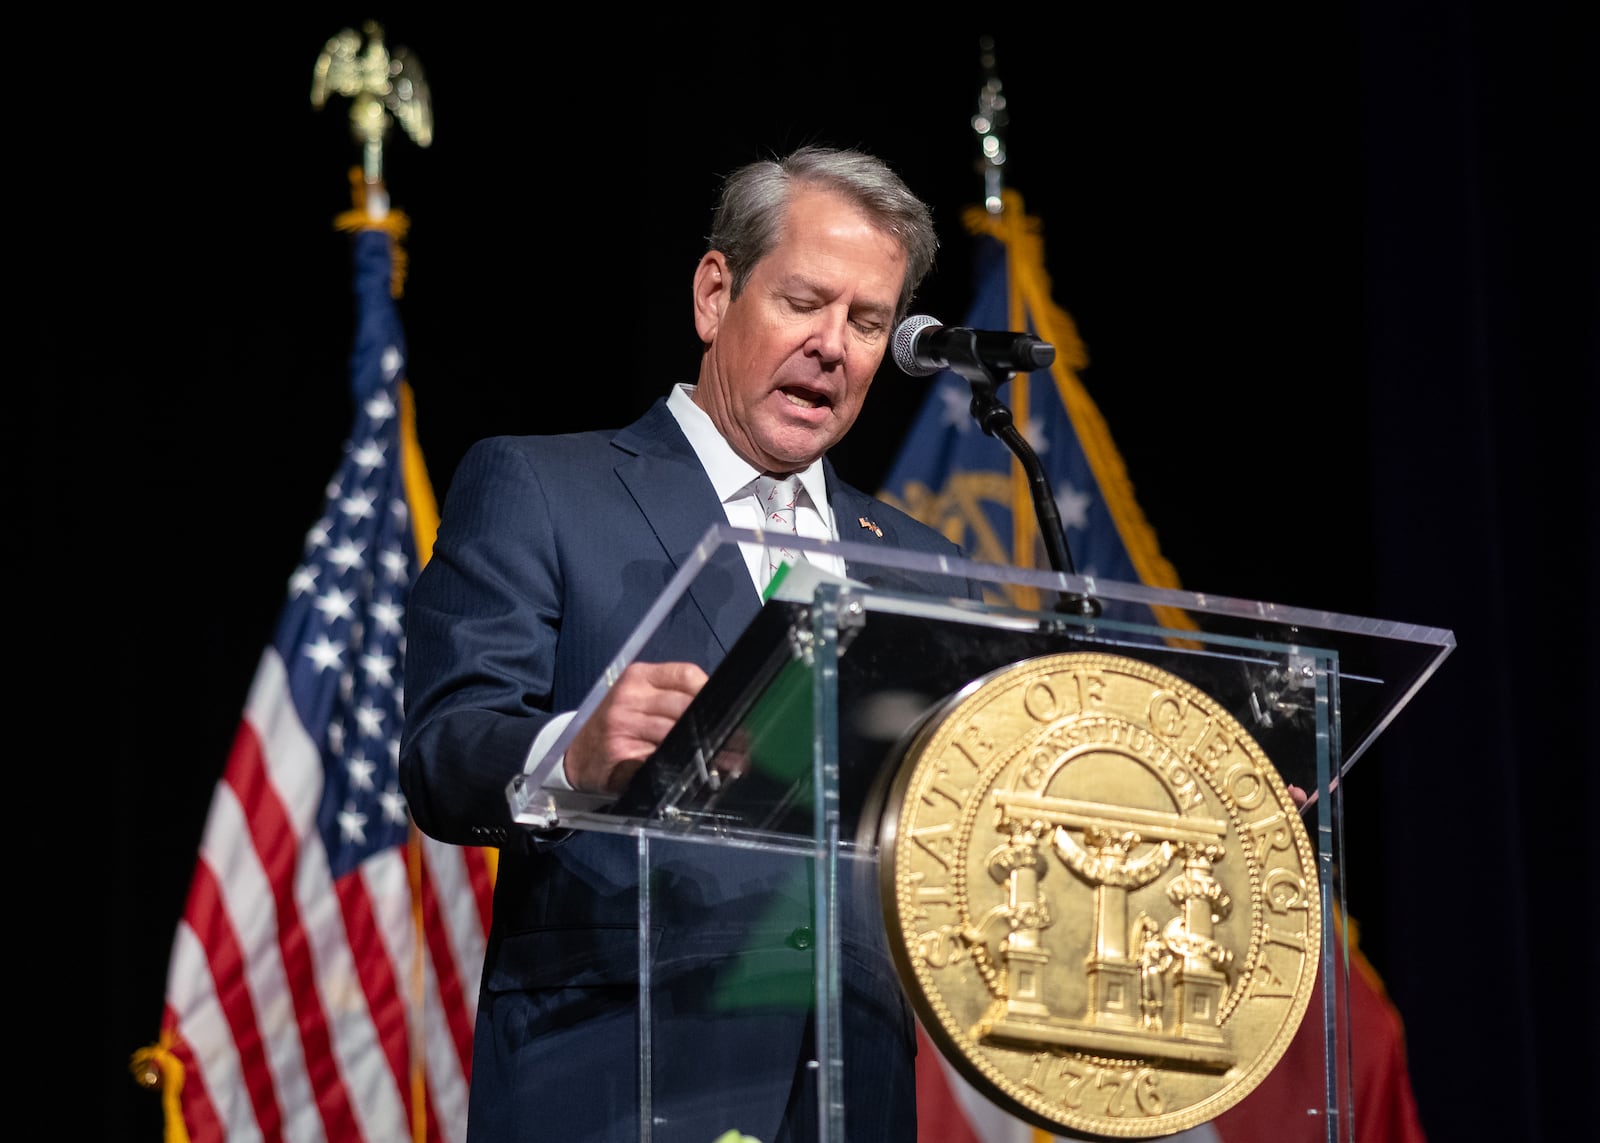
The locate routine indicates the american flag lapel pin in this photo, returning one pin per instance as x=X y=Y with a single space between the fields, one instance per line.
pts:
x=871 y=527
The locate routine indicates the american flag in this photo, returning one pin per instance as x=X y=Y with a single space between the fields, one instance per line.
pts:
x=323 y=978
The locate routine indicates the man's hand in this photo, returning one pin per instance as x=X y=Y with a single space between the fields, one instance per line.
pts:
x=629 y=724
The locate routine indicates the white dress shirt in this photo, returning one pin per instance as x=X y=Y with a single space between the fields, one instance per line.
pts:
x=734 y=479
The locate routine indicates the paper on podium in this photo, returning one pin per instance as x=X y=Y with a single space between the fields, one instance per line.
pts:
x=797 y=582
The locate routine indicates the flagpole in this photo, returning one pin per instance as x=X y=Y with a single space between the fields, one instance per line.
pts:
x=386 y=87
x=986 y=124
x=988 y=410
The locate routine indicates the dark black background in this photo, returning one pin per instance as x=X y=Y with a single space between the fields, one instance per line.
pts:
x=1334 y=265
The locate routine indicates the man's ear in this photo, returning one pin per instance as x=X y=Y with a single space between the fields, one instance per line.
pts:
x=713 y=286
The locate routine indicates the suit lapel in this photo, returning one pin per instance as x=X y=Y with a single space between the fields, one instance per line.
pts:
x=678 y=504
x=854 y=514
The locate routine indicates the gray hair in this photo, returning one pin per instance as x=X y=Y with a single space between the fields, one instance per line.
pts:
x=750 y=211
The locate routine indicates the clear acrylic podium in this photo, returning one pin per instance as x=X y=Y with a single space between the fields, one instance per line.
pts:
x=787 y=748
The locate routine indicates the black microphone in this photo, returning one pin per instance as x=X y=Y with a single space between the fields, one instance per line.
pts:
x=922 y=347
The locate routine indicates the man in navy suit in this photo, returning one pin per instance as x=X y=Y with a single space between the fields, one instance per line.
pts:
x=549 y=552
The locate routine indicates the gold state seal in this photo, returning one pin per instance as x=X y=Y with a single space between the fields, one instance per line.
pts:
x=1100 y=896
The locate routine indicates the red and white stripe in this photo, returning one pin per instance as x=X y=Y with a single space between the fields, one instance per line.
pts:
x=298 y=1005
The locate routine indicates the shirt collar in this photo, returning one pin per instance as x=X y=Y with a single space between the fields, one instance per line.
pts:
x=731 y=475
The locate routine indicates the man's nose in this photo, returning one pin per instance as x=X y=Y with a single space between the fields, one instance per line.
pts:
x=828 y=333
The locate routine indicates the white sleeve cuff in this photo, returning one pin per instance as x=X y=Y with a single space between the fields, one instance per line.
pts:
x=556 y=779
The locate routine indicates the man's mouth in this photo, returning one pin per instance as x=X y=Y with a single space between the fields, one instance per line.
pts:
x=804 y=398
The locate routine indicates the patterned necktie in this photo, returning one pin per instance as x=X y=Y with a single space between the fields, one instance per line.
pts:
x=777 y=510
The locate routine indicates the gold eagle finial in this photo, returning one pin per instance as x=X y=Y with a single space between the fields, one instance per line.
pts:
x=383 y=86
